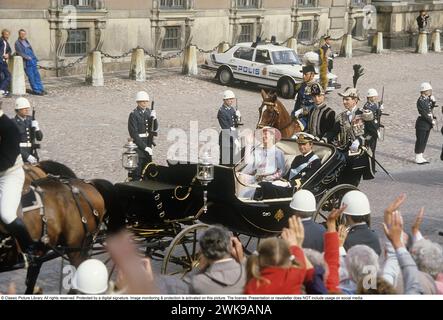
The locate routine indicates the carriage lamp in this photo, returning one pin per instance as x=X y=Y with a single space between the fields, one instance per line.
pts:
x=130 y=156
x=205 y=174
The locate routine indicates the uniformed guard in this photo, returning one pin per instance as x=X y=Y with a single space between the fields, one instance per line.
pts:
x=376 y=108
x=304 y=103
x=328 y=52
x=425 y=121
x=142 y=127
x=29 y=131
x=322 y=118
x=358 y=217
x=228 y=118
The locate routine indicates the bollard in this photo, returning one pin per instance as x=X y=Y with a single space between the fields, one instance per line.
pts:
x=346 y=46
x=422 y=43
x=190 y=61
x=94 y=72
x=435 y=41
x=18 y=84
x=292 y=43
x=222 y=47
x=377 y=43
x=137 y=70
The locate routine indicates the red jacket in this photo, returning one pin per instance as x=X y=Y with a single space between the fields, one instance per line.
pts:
x=281 y=280
x=332 y=258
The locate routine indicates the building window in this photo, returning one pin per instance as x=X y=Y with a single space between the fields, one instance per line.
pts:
x=171 y=41
x=78 y=42
x=307 y=3
x=246 y=32
x=358 y=30
x=248 y=4
x=77 y=3
x=172 y=4
x=305 y=33
x=358 y=3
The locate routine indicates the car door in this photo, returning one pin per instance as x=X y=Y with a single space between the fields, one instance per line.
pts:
x=242 y=59
x=262 y=62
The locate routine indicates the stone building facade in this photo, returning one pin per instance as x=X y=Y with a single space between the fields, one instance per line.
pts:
x=61 y=31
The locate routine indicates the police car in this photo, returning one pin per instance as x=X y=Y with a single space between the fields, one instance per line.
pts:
x=261 y=63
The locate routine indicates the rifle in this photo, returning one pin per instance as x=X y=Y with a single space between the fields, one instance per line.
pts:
x=238 y=121
x=34 y=145
x=152 y=132
x=381 y=127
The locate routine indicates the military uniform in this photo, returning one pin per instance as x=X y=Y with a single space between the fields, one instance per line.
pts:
x=27 y=136
x=321 y=122
x=142 y=129
x=228 y=136
x=376 y=111
x=423 y=124
x=361 y=234
x=304 y=101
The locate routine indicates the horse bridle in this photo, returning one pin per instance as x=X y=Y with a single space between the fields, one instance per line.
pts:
x=274 y=117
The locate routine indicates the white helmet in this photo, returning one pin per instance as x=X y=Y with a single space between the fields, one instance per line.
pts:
x=142 y=96
x=425 y=86
x=357 y=203
x=228 y=94
x=372 y=93
x=22 y=103
x=303 y=200
x=91 y=277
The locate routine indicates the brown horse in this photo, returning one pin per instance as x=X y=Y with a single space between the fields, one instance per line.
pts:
x=66 y=223
x=272 y=113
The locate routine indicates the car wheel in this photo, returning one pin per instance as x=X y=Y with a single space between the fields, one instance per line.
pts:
x=224 y=76
x=286 y=88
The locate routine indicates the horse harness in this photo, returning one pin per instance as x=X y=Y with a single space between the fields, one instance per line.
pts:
x=275 y=115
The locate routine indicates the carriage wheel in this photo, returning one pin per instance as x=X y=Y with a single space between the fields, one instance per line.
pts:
x=331 y=200
x=249 y=243
x=183 y=253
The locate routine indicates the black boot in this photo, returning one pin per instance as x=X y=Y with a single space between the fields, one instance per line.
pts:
x=18 y=229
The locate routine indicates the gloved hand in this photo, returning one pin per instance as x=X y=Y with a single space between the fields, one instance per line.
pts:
x=31 y=159
x=298 y=112
x=432 y=98
x=433 y=122
x=381 y=107
x=148 y=150
x=238 y=114
x=34 y=124
x=232 y=129
x=280 y=183
x=237 y=144
x=354 y=146
x=153 y=114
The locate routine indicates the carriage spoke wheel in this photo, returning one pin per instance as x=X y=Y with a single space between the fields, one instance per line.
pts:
x=183 y=253
x=249 y=243
x=331 y=200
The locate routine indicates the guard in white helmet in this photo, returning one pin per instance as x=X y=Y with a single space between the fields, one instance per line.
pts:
x=425 y=121
x=304 y=206
x=29 y=130
x=12 y=178
x=91 y=277
x=358 y=217
x=376 y=108
x=229 y=120
x=142 y=127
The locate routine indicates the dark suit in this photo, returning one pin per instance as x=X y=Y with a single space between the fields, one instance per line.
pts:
x=361 y=234
x=142 y=129
x=26 y=137
x=321 y=122
x=228 y=123
x=313 y=235
x=9 y=143
x=5 y=76
x=423 y=124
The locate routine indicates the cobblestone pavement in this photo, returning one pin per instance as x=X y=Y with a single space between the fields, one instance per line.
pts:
x=85 y=128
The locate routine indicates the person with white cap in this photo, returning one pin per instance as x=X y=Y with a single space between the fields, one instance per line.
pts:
x=358 y=214
x=228 y=118
x=91 y=277
x=142 y=127
x=29 y=131
x=304 y=205
x=376 y=108
x=425 y=121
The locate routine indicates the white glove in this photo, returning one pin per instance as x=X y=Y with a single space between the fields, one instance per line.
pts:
x=298 y=112
x=238 y=114
x=232 y=129
x=31 y=159
x=237 y=144
x=279 y=183
x=354 y=146
x=432 y=98
x=153 y=114
x=34 y=124
x=148 y=150
x=381 y=107
x=433 y=122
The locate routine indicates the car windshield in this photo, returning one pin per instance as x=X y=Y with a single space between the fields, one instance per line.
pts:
x=285 y=57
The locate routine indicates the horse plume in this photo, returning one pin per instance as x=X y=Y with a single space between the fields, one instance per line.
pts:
x=358 y=72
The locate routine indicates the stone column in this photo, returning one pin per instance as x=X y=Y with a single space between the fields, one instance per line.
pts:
x=18 y=84
x=377 y=43
x=190 y=61
x=422 y=43
x=94 y=71
x=137 y=69
x=435 y=41
x=346 y=46
x=292 y=43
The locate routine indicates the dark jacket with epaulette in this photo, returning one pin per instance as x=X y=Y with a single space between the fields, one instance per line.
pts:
x=24 y=126
x=304 y=98
x=361 y=234
x=140 y=128
x=9 y=142
x=321 y=122
x=424 y=107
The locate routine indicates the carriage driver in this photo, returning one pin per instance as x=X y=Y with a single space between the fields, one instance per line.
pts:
x=12 y=178
x=142 y=124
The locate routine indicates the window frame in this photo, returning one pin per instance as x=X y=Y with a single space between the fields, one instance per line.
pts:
x=73 y=44
x=244 y=49
x=172 y=7
x=310 y=31
x=177 y=38
x=251 y=32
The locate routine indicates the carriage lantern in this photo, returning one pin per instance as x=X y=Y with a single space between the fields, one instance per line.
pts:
x=130 y=156
x=205 y=174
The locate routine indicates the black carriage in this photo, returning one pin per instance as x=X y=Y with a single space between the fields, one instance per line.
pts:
x=167 y=212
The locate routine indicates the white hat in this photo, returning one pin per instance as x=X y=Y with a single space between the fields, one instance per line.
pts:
x=303 y=200
x=228 y=94
x=372 y=93
x=425 y=86
x=22 y=103
x=91 y=277
x=142 y=96
x=357 y=203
